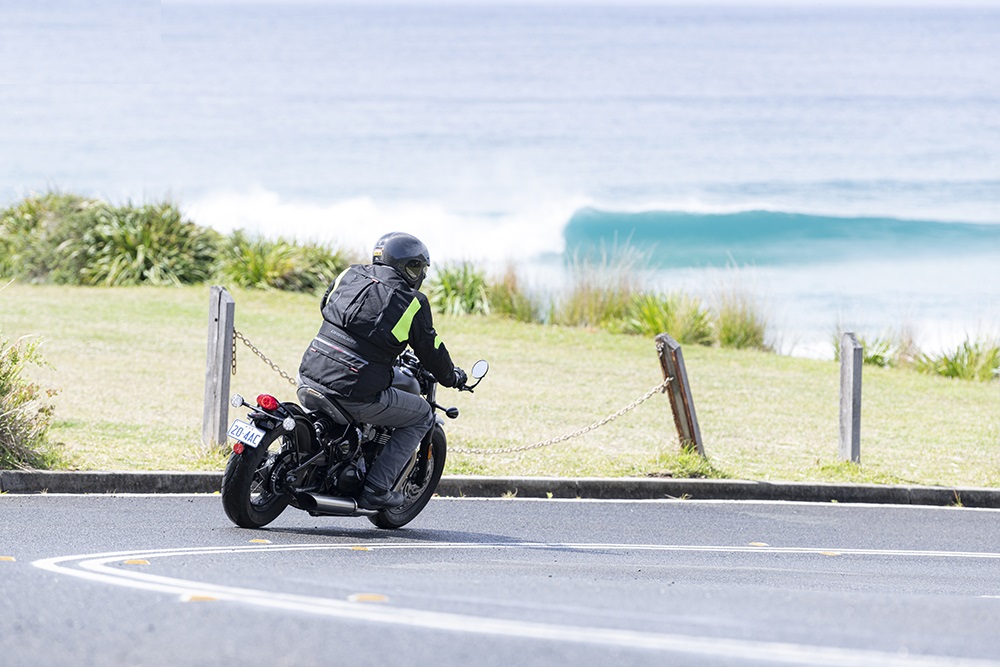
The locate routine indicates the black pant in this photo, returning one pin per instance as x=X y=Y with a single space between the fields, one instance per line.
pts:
x=409 y=415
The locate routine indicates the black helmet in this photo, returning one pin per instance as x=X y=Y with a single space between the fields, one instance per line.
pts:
x=405 y=253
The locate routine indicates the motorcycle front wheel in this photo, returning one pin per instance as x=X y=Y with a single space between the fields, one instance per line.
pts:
x=418 y=488
x=248 y=493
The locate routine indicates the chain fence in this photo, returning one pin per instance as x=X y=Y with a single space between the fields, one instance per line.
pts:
x=253 y=348
x=563 y=438
x=660 y=388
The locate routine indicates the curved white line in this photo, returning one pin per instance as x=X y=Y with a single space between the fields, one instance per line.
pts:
x=97 y=567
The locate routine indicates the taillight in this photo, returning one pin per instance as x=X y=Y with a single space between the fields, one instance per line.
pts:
x=267 y=402
x=238 y=447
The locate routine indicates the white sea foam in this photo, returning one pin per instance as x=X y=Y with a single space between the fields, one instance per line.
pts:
x=356 y=223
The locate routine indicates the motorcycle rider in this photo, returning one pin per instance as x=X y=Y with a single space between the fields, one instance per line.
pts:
x=371 y=313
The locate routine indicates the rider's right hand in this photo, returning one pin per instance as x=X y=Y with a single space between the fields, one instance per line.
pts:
x=460 y=378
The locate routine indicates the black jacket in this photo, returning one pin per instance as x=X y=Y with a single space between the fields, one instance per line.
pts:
x=370 y=315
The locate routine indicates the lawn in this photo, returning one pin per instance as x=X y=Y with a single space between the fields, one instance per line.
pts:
x=129 y=367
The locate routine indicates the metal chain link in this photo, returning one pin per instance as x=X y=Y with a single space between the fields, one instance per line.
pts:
x=662 y=387
x=253 y=348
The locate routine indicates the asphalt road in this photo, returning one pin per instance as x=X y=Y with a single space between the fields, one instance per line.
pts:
x=166 y=580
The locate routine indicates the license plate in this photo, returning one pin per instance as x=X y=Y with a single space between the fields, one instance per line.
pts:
x=246 y=433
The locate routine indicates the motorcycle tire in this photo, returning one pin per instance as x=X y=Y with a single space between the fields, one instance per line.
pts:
x=246 y=495
x=418 y=492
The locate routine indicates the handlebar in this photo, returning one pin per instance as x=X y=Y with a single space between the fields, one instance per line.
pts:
x=410 y=361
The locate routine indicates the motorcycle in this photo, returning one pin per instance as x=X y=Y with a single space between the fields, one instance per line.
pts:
x=314 y=456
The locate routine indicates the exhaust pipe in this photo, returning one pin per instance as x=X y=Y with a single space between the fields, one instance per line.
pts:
x=339 y=506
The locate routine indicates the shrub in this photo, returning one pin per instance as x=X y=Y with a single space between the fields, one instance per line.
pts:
x=507 y=298
x=972 y=360
x=459 y=289
x=24 y=419
x=33 y=235
x=886 y=351
x=260 y=263
x=602 y=290
x=151 y=244
x=738 y=321
x=591 y=304
x=682 y=316
x=879 y=351
x=322 y=263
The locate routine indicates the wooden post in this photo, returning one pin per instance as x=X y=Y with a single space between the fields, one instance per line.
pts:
x=218 y=368
x=672 y=363
x=851 y=360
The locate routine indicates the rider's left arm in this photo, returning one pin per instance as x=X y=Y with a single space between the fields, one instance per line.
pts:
x=429 y=347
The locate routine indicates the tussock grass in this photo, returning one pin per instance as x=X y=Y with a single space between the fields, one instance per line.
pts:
x=882 y=351
x=739 y=323
x=67 y=239
x=459 y=289
x=972 y=360
x=37 y=233
x=976 y=360
x=256 y=262
x=129 y=364
x=681 y=315
x=25 y=414
x=508 y=298
x=150 y=244
x=601 y=290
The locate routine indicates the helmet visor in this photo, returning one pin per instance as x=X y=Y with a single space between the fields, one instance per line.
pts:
x=416 y=271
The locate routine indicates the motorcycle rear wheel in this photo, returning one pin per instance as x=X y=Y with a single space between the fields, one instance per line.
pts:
x=418 y=491
x=247 y=493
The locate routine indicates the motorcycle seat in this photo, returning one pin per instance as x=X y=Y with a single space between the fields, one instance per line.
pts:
x=314 y=399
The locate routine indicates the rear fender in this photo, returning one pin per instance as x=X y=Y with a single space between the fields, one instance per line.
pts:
x=306 y=440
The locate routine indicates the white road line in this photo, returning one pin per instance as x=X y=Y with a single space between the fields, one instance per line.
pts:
x=98 y=567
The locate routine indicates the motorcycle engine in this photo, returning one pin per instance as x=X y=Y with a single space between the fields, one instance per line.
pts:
x=341 y=440
x=347 y=479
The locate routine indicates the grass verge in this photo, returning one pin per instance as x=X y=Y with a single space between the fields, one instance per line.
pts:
x=129 y=364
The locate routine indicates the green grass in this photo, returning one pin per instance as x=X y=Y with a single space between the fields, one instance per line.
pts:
x=681 y=315
x=507 y=298
x=129 y=367
x=972 y=360
x=739 y=323
x=601 y=290
x=58 y=238
x=458 y=289
x=262 y=263
x=150 y=244
x=25 y=413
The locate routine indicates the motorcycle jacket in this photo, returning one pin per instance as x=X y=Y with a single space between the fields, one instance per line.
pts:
x=370 y=315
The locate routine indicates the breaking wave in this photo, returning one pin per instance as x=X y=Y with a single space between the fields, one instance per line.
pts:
x=679 y=239
x=689 y=237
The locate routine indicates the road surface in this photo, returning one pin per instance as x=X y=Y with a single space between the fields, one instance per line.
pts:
x=167 y=580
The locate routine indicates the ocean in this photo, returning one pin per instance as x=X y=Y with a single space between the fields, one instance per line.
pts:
x=840 y=164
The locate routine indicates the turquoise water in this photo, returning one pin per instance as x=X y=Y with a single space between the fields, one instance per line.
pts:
x=848 y=160
x=676 y=239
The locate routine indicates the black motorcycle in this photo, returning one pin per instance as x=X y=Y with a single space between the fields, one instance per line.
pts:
x=314 y=456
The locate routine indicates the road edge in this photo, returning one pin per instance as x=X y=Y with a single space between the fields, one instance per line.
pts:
x=471 y=486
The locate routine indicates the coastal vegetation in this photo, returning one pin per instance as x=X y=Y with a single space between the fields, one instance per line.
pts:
x=129 y=367
x=63 y=238
x=57 y=250
x=69 y=239
x=25 y=414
